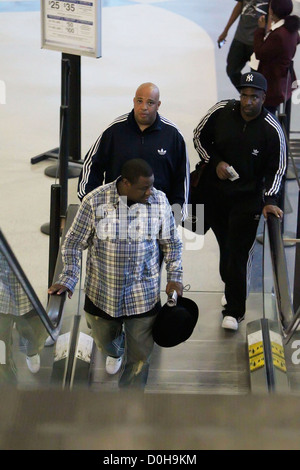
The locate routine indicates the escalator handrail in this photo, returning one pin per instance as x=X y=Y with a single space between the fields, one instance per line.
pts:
x=25 y=284
x=280 y=276
x=56 y=303
x=52 y=316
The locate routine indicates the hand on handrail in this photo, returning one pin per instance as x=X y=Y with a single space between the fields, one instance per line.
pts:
x=59 y=289
x=271 y=209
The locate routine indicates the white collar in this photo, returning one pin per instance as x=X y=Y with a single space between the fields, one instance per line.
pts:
x=274 y=26
x=278 y=24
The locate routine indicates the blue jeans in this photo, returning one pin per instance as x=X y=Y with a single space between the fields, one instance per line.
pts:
x=135 y=342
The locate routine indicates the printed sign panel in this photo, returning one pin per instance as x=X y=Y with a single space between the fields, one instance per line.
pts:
x=72 y=27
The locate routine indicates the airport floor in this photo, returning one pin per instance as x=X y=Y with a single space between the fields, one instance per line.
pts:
x=173 y=44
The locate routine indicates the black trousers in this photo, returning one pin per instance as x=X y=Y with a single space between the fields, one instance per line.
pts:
x=238 y=56
x=234 y=223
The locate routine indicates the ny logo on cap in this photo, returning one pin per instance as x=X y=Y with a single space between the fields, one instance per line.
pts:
x=249 y=77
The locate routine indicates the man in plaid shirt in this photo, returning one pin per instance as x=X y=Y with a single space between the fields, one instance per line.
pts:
x=123 y=224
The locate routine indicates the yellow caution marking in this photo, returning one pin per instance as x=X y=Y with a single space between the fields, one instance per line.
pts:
x=256 y=348
x=256 y=351
x=277 y=349
x=256 y=362
x=278 y=356
x=279 y=363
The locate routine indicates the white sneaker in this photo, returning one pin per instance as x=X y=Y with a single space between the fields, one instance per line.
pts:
x=230 y=323
x=113 y=364
x=33 y=363
x=49 y=341
x=223 y=301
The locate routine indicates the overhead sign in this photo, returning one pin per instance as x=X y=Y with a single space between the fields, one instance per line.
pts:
x=73 y=27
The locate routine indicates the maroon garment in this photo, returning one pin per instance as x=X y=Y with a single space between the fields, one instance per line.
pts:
x=275 y=55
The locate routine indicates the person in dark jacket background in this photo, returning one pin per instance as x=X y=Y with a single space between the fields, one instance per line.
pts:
x=244 y=148
x=275 y=50
x=247 y=12
x=142 y=133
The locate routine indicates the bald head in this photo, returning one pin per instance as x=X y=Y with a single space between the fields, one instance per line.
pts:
x=148 y=87
x=146 y=103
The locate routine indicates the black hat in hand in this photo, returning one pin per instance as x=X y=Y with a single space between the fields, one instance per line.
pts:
x=174 y=325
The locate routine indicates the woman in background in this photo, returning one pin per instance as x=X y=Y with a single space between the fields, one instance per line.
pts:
x=275 y=50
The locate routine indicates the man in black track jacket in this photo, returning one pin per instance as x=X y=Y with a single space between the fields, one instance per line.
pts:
x=245 y=151
x=142 y=133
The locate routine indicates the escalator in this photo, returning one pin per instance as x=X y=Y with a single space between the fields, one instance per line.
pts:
x=201 y=394
x=211 y=361
x=217 y=361
x=26 y=327
x=24 y=324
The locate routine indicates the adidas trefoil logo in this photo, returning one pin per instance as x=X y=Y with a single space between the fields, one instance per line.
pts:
x=255 y=152
x=162 y=151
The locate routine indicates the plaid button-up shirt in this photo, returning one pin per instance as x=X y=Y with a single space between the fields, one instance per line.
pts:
x=13 y=299
x=123 y=270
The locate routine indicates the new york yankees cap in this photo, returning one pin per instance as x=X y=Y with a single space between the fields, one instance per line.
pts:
x=253 y=80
